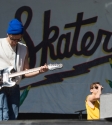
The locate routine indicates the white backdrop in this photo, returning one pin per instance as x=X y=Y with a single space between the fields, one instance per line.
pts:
x=76 y=33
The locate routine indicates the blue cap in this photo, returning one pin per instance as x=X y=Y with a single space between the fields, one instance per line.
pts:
x=15 y=27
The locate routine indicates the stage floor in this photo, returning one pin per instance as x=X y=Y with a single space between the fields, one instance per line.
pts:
x=56 y=122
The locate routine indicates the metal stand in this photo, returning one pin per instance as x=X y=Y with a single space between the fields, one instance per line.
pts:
x=80 y=113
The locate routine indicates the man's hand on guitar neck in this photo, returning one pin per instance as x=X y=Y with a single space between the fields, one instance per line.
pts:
x=43 y=69
x=40 y=70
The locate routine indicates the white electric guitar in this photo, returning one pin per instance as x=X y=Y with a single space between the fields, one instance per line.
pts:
x=7 y=76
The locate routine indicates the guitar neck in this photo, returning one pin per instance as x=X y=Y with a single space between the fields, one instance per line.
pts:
x=23 y=72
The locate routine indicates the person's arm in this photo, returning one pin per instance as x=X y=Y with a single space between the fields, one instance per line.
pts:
x=93 y=97
x=26 y=67
x=90 y=100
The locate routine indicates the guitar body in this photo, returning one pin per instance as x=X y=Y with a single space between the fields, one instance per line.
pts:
x=5 y=81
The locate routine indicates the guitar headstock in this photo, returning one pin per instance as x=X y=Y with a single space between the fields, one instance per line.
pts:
x=54 y=66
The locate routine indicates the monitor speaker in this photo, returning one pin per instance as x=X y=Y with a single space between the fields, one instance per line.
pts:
x=106 y=105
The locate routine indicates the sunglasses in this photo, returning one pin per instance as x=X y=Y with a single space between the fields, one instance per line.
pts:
x=16 y=40
x=96 y=87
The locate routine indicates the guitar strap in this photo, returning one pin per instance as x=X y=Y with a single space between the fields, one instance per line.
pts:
x=16 y=57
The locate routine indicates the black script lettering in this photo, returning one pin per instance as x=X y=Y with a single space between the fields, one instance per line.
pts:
x=48 y=41
x=65 y=53
x=26 y=37
x=84 y=46
x=79 y=22
x=101 y=34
